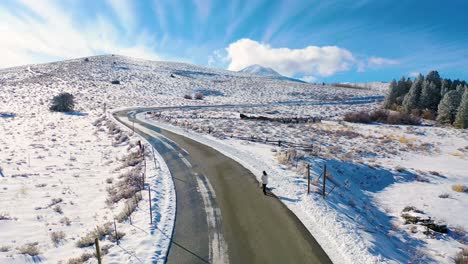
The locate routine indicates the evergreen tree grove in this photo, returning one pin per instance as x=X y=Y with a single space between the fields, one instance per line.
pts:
x=461 y=119
x=448 y=107
x=411 y=100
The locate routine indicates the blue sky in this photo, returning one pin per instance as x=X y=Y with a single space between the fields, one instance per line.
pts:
x=329 y=41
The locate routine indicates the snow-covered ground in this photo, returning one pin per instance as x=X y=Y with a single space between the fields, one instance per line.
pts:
x=384 y=172
x=70 y=160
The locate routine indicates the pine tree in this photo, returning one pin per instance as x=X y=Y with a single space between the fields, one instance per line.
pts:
x=430 y=96
x=461 y=119
x=391 y=96
x=409 y=83
x=461 y=88
x=454 y=84
x=434 y=77
x=401 y=90
x=411 y=100
x=445 y=88
x=448 y=106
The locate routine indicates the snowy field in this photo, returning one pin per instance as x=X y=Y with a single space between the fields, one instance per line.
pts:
x=386 y=174
x=59 y=171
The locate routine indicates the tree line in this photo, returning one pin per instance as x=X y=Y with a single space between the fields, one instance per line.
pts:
x=430 y=97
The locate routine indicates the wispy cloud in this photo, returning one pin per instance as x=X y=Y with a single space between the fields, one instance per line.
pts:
x=378 y=61
x=203 y=8
x=123 y=9
x=38 y=31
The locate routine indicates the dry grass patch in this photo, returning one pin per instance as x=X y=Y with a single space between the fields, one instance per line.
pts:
x=100 y=233
x=57 y=237
x=459 y=188
x=30 y=249
x=81 y=259
x=130 y=206
x=5 y=248
x=462 y=257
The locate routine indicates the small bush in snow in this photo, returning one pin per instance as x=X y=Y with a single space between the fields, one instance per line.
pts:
x=113 y=237
x=188 y=96
x=130 y=206
x=115 y=82
x=81 y=259
x=57 y=237
x=65 y=220
x=58 y=209
x=199 y=96
x=459 y=188
x=357 y=117
x=5 y=216
x=30 y=249
x=63 y=102
x=4 y=248
x=444 y=195
x=100 y=232
x=382 y=116
x=462 y=257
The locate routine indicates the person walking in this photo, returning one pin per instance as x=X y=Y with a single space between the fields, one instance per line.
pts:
x=264 y=182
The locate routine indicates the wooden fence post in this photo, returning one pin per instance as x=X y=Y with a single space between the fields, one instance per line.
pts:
x=115 y=229
x=98 y=250
x=151 y=212
x=324 y=179
x=308 y=178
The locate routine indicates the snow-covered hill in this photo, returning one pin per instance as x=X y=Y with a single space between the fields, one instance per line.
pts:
x=58 y=170
x=267 y=72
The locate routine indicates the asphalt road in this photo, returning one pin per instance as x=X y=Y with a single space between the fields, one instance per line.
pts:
x=222 y=215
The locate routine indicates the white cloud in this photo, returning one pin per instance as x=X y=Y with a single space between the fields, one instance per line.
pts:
x=377 y=61
x=309 y=79
x=309 y=61
x=124 y=11
x=45 y=33
x=414 y=74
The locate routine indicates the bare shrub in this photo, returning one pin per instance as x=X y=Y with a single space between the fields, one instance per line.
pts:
x=400 y=168
x=357 y=117
x=428 y=114
x=127 y=187
x=459 y=188
x=113 y=237
x=198 y=96
x=30 y=249
x=382 y=116
x=188 y=96
x=63 y=102
x=132 y=159
x=459 y=231
x=58 y=209
x=65 y=220
x=444 y=195
x=55 y=201
x=99 y=232
x=5 y=216
x=57 y=237
x=129 y=208
x=5 y=248
x=462 y=257
x=81 y=259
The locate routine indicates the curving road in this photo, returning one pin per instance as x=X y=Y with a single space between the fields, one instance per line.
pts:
x=222 y=216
